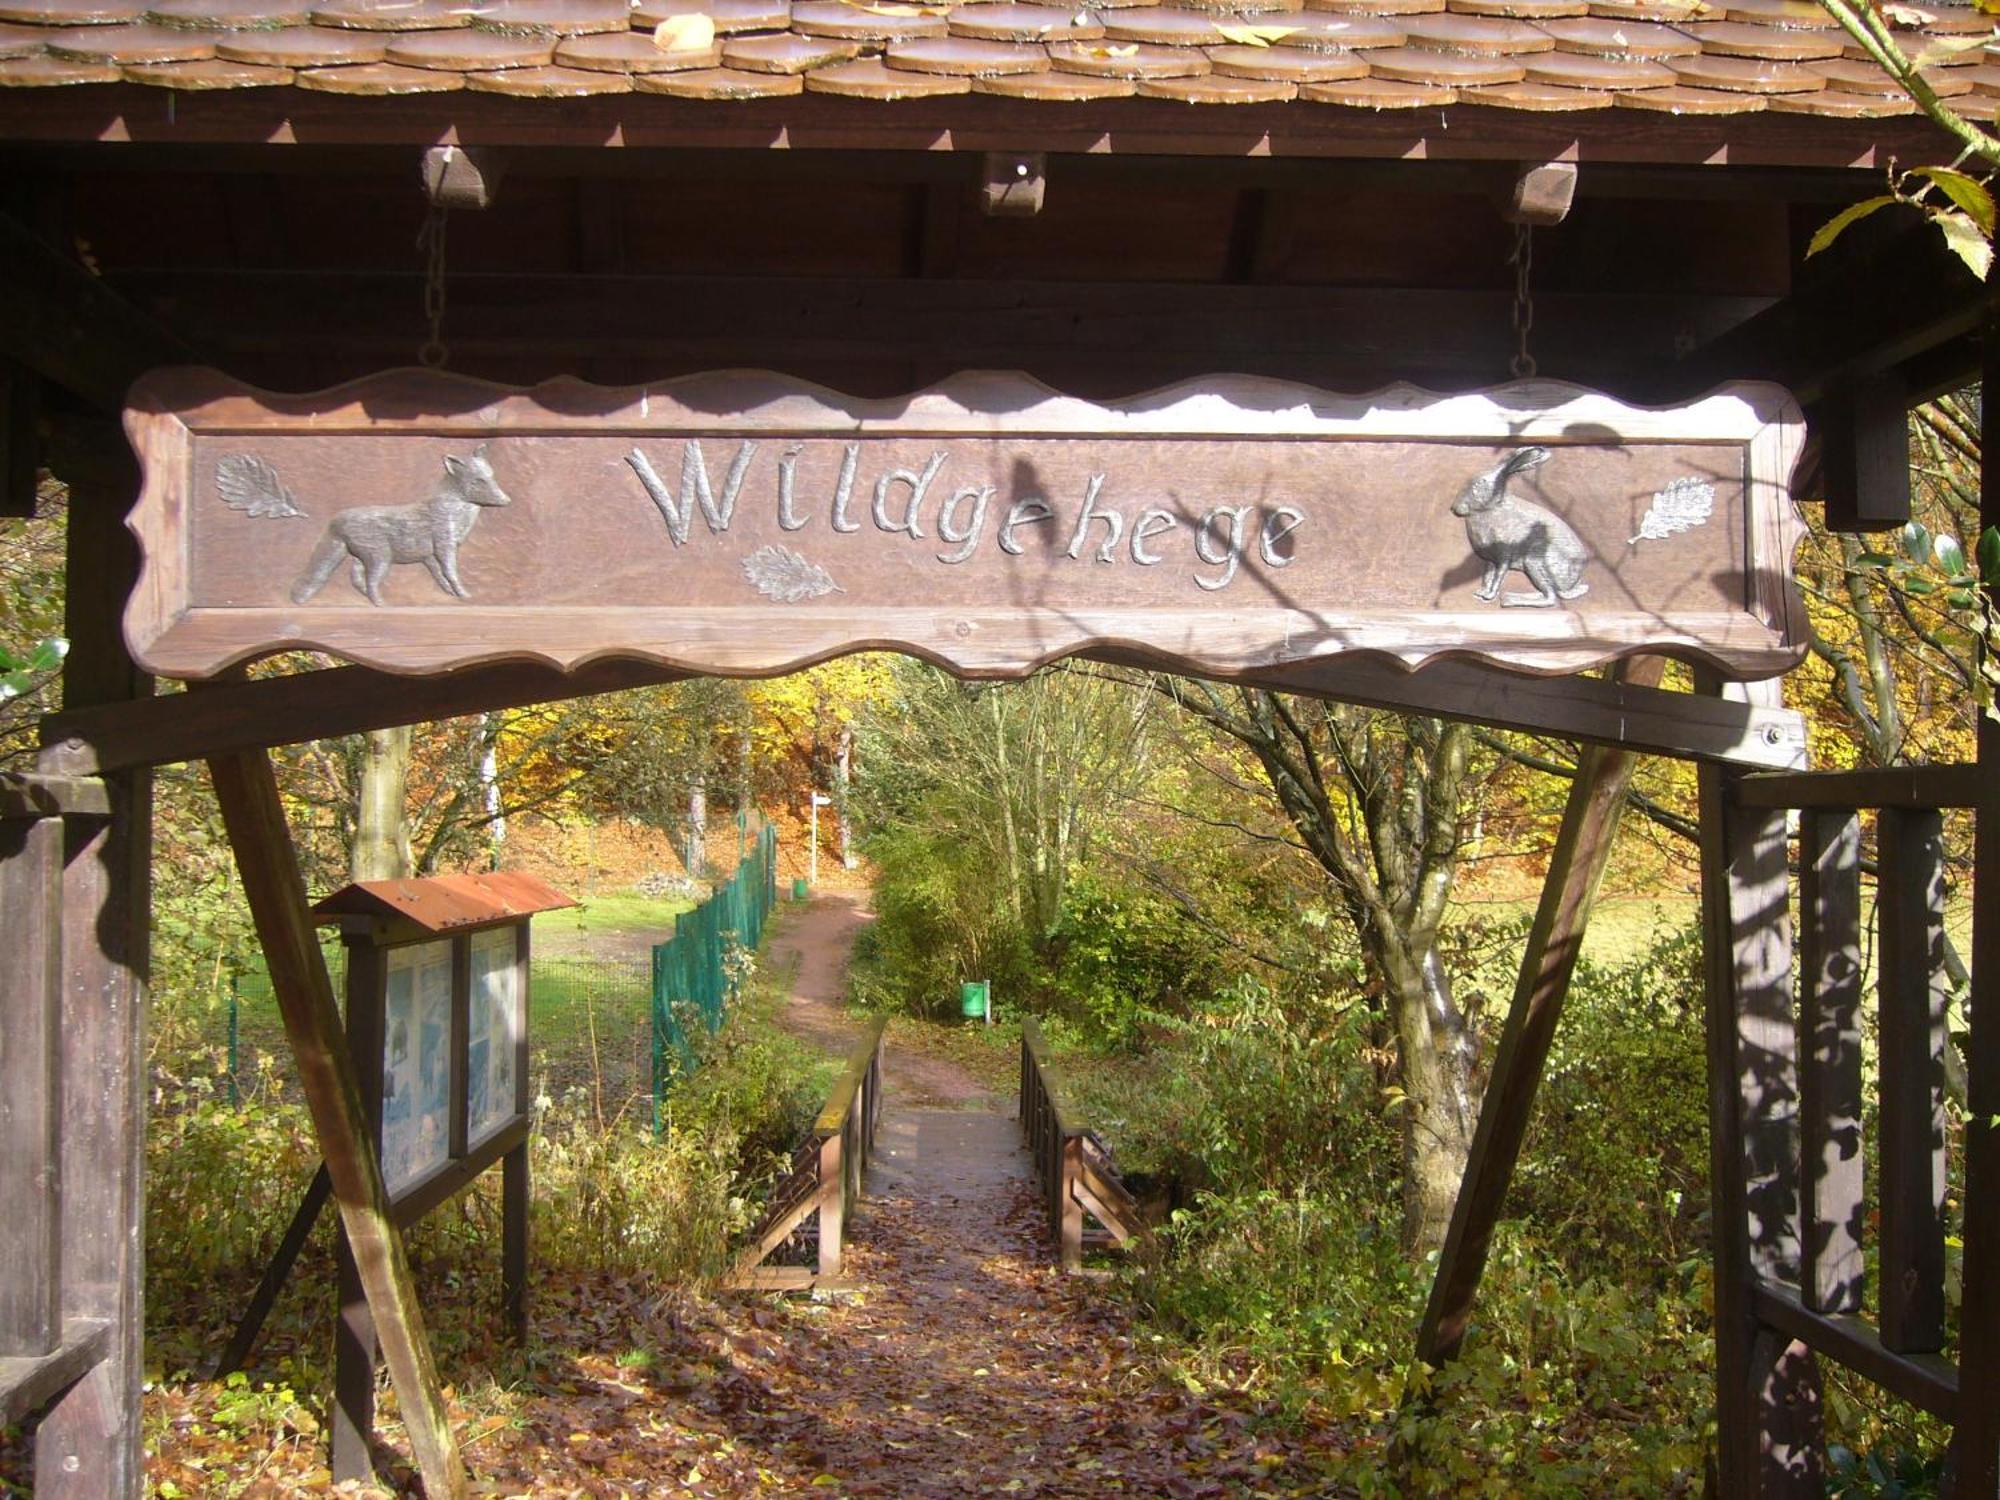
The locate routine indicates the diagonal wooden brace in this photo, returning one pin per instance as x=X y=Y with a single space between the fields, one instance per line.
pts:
x=247 y=789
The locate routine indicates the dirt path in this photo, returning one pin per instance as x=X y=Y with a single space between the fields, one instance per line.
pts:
x=814 y=946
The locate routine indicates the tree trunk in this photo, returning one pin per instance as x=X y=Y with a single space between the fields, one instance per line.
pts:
x=1435 y=1061
x=843 y=773
x=697 y=827
x=381 y=825
x=489 y=788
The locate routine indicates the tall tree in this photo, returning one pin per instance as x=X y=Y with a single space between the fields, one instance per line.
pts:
x=1380 y=801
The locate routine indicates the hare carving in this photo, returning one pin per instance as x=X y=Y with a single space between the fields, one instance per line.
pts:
x=1509 y=534
x=429 y=532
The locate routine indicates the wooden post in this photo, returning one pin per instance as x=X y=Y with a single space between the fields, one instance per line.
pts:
x=88 y=1443
x=1910 y=852
x=248 y=793
x=1071 y=1163
x=1832 y=1274
x=1583 y=849
x=832 y=1204
x=1975 y=1448
x=31 y=848
x=355 y=1348
x=1768 y=1416
x=514 y=1242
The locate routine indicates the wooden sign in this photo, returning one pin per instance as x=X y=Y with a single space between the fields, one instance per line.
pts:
x=746 y=523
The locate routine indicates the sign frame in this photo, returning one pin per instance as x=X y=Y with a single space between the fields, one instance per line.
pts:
x=198 y=432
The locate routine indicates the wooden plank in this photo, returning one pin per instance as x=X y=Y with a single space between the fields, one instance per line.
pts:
x=88 y=1445
x=1139 y=333
x=1576 y=868
x=847 y=1088
x=1747 y=954
x=276 y=1273
x=247 y=790
x=1865 y=454
x=1923 y=1380
x=1005 y=524
x=27 y=1384
x=1832 y=1275
x=1914 y=996
x=275 y=117
x=1975 y=1448
x=224 y=717
x=1645 y=720
x=457 y=1174
x=1910 y=787
x=64 y=324
x=31 y=864
x=1069 y=1224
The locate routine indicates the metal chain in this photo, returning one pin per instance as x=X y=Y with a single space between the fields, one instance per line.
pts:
x=430 y=239
x=1523 y=260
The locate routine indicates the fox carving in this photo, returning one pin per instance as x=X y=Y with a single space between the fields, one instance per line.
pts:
x=371 y=537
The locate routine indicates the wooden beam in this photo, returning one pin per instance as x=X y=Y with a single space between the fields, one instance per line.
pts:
x=462 y=176
x=1975 y=1446
x=1747 y=957
x=1915 y=995
x=276 y=1273
x=279 y=117
x=248 y=714
x=1923 y=1380
x=1868 y=312
x=1147 y=334
x=1013 y=184
x=1915 y=788
x=67 y=326
x=29 y=1384
x=1864 y=431
x=1542 y=193
x=1832 y=1275
x=247 y=790
x=31 y=795
x=1629 y=716
x=88 y=1445
x=31 y=866
x=1576 y=868
x=237 y=714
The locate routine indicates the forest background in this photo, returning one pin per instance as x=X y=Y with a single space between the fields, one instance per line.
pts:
x=1274 y=937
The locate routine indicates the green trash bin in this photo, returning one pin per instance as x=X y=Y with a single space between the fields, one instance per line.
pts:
x=975 y=1000
x=799 y=888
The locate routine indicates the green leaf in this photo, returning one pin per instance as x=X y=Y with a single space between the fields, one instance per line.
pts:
x=1964 y=239
x=1917 y=542
x=1915 y=585
x=1959 y=598
x=1989 y=554
x=1841 y=222
x=1950 y=556
x=1874 y=560
x=1968 y=193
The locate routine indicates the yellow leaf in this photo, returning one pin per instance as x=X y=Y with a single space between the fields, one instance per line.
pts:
x=1255 y=36
x=692 y=32
x=1114 y=49
x=1963 y=239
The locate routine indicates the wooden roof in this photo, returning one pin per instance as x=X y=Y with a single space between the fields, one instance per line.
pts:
x=604 y=71
x=445 y=903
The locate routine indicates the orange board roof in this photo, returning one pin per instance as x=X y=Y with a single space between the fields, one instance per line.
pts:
x=1675 y=57
x=441 y=903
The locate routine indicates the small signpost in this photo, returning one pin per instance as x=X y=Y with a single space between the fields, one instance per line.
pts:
x=437 y=1028
x=437 y=1025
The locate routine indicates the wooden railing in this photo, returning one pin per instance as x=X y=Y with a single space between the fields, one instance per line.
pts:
x=826 y=1177
x=1789 y=1102
x=1076 y=1173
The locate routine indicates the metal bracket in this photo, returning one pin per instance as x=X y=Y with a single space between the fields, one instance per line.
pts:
x=1015 y=184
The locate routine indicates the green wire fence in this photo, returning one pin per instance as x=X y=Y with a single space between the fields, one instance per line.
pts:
x=693 y=970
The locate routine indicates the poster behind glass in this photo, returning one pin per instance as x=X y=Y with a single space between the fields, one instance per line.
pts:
x=494 y=1031
x=416 y=1064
